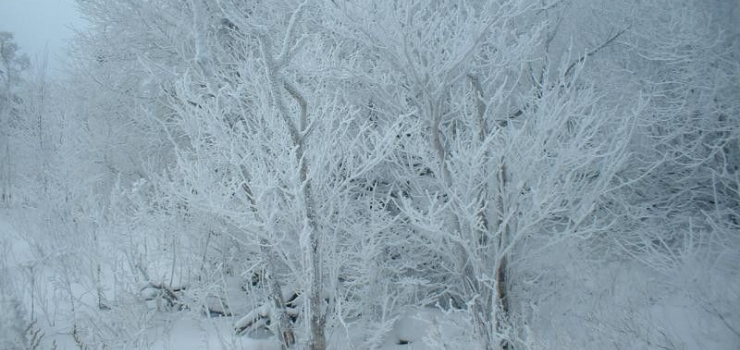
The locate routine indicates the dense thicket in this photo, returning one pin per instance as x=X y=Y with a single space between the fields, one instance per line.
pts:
x=316 y=168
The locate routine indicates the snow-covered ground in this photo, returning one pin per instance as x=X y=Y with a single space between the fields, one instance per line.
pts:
x=619 y=305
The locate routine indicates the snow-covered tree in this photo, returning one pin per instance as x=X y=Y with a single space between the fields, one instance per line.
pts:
x=12 y=64
x=355 y=157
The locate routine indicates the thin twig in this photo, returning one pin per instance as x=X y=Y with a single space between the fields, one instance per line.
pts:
x=594 y=51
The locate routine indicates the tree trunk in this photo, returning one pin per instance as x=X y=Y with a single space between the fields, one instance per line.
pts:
x=285 y=327
x=501 y=287
x=502 y=301
x=5 y=186
x=297 y=130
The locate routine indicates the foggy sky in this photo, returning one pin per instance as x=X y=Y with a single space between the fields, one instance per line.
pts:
x=38 y=24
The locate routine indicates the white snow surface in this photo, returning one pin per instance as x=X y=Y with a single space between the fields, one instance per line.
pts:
x=647 y=310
